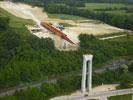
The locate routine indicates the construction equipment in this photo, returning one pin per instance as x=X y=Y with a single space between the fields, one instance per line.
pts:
x=55 y=30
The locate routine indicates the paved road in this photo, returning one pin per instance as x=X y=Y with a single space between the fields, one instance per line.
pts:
x=117 y=36
x=12 y=90
x=96 y=95
x=112 y=37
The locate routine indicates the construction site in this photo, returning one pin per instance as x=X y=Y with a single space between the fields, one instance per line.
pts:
x=65 y=38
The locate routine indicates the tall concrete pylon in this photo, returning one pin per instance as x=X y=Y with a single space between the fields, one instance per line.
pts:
x=86 y=84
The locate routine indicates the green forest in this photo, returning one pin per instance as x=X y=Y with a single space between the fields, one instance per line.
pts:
x=26 y=58
x=30 y=58
x=83 y=1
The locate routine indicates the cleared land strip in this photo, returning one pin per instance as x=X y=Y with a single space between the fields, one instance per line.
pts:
x=112 y=37
x=130 y=33
x=12 y=90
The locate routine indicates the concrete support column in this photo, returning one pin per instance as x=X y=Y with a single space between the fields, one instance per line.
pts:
x=87 y=61
x=63 y=44
x=89 y=75
x=103 y=98
x=84 y=71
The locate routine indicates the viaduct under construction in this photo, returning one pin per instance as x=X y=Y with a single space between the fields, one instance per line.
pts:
x=56 y=31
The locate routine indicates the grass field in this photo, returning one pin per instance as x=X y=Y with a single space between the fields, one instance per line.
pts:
x=15 y=22
x=93 y=6
x=65 y=17
x=120 y=12
x=122 y=97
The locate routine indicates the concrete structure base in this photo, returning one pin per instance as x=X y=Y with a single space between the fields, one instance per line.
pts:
x=104 y=98
x=87 y=69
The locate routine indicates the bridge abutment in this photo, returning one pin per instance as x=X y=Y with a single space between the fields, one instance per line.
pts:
x=103 y=98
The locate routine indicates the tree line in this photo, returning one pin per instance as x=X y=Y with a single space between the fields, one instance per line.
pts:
x=112 y=9
x=79 y=1
x=120 y=21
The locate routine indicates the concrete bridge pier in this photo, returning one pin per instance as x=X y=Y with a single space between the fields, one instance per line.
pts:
x=103 y=98
x=86 y=83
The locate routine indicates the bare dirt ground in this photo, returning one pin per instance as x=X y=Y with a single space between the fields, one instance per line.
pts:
x=106 y=87
x=86 y=27
x=103 y=88
x=38 y=12
x=8 y=6
x=77 y=27
x=18 y=8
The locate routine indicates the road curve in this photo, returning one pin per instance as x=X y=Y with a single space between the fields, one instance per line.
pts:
x=12 y=90
x=96 y=95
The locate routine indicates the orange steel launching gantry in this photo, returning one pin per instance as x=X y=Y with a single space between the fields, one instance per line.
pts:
x=55 y=30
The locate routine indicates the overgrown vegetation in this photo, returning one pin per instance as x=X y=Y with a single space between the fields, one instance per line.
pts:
x=78 y=1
